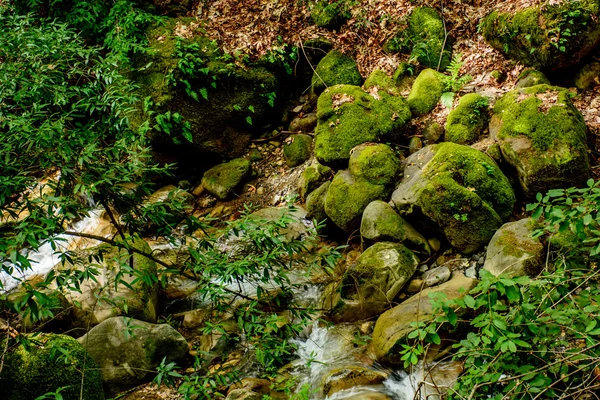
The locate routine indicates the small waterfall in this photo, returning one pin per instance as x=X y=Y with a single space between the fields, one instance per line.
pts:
x=45 y=257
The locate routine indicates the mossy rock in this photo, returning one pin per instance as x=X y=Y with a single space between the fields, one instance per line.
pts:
x=380 y=80
x=393 y=326
x=425 y=92
x=315 y=203
x=537 y=36
x=312 y=177
x=329 y=14
x=514 y=252
x=347 y=198
x=380 y=222
x=543 y=136
x=297 y=149
x=588 y=76
x=531 y=77
x=468 y=120
x=218 y=125
x=102 y=298
x=347 y=377
x=459 y=190
x=221 y=180
x=335 y=68
x=373 y=281
x=43 y=368
x=376 y=163
x=425 y=39
x=348 y=116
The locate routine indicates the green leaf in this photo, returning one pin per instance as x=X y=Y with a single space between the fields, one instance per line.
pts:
x=469 y=301
x=447 y=99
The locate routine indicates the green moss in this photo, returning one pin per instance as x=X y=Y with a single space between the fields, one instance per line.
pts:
x=376 y=163
x=588 y=77
x=531 y=77
x=28 y=374
x=347 y=198
x=468 y=120
x=312 y=177
x=218 y=125
x=424 y=37
x=222 y=179
x=297 y=149
x=335 y=69
x=348 y=116
x=545 y=115
x=425 y=93
x=545 y=36
x=315 y=202
x=379 y=79
x=543 y=136
x=329 y=14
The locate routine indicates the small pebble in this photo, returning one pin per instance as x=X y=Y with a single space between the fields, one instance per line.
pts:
x=436 y=276
x=414 y=286
x=471 y=272
x=260 y=190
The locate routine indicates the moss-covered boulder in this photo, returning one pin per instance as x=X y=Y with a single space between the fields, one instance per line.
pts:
x=545 y=36
x=394 y=325
x=348 y=116
x=50 y=362
x=329 y=14
x=376 y=163
x=221 y=180
x=513 y=251
x=335 y=68
x=312 y=177
x=588 y=76
x=456 y=189
x=121 y=285
x=347 y=198
x=543 y=136
x=531 y=77
x=380 y=222
x=128 y=351
x=373 y=281
x=297 y=149
x=315 y=203
x=208 y=99
x=468 y=120
x=379 y=80
x=425 y=92
x=425 y=39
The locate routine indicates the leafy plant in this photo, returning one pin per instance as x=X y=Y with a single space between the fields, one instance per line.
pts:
x=454 y=82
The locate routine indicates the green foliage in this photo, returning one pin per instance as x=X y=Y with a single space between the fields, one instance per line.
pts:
x=573 y=210
x=454 y=82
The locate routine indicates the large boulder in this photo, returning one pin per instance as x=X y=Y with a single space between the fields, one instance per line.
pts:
x=205 y=98
x=380 y=222
x=335 y=69
x=545 y=36
x=425 y=92
x=312 y=177
x=372 y=282
x=347 y=198
x=128 y=351
x=425 y=39
x=297 y=149
x=513 y=251
x=459 y=190
x=468 y=120
x=50 y=362
x=124 y=284
x=394 y=325
x=222 y=179
x=348 y=116
x=543 y=136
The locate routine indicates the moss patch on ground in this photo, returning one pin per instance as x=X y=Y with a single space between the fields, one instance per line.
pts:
x=52 y=362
